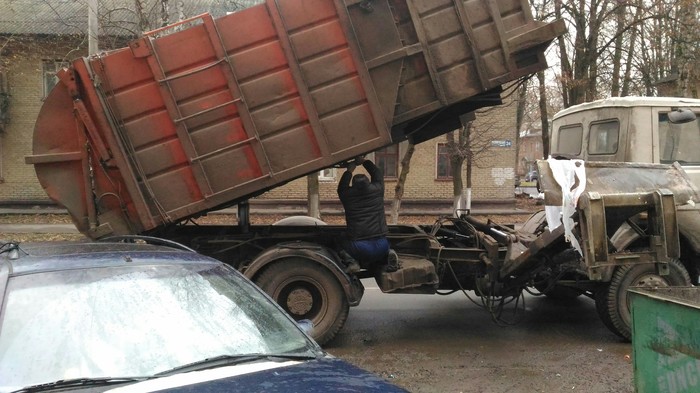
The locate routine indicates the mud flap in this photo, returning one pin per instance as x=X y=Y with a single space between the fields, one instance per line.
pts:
x=416 y=275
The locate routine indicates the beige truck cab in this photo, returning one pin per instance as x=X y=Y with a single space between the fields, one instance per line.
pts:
x=630 y=129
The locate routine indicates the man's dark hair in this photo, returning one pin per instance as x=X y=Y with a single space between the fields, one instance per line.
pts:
x=360 y=181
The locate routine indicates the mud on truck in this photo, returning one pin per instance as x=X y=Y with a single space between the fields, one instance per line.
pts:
x=208 y=113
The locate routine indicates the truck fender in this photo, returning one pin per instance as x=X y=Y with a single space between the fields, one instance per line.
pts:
x=324 y=256
x=623 y=237
x=689 y=227
x=689 y=231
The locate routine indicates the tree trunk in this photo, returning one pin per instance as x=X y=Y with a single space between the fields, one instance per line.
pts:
x=617 y=53
x=626 y=81
x=456 y=162
x=578 y=84
x=543 y=114
x=469 y=160
x=467 y=142
x=519 y=114
x=164 y=13
x=142 y=17
x=598 y=10
x=566 y=73
x=93 y=27
x=398 y=190
x=312 y=188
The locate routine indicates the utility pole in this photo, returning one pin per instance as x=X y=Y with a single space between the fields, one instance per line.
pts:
x=93 y=27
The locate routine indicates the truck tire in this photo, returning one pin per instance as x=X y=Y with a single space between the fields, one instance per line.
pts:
x=307 y=290
x=613 y=303
x=299 y=221
x=535 y=224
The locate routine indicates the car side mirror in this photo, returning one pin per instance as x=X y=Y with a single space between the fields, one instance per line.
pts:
x=681 y=116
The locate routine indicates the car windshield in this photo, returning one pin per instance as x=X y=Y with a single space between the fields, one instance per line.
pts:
x=134 y=321
x=679 y=142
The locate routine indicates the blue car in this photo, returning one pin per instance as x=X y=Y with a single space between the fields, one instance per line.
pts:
x=141 y=317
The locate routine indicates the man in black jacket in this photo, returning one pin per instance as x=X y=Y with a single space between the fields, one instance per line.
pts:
x=363 y=202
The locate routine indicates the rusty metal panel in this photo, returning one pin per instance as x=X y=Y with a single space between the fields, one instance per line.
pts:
x=623 y=193
x=208 y=112
x=269 y=105
x=614 y=193
x=439 y=52
x=624 y=178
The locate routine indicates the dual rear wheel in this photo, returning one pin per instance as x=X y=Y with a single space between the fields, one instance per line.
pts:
x=307 y=290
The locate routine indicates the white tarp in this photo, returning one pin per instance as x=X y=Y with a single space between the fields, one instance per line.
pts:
x=571 y=177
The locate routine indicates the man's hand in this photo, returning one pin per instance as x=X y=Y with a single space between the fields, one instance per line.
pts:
x=359 y=160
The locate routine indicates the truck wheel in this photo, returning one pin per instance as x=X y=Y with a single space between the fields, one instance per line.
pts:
x=535 y=224
x=307 y=290
x=613 y=303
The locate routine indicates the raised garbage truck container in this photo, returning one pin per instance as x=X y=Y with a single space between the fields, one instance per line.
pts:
x=206 y=113
x=666 y=339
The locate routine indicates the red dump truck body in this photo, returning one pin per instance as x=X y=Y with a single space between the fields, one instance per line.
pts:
x=209 y=112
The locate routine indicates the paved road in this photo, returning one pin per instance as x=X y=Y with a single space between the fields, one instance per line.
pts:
x=431 y=343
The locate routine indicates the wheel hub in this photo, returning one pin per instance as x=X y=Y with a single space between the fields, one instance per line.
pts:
x=650 y=281
x=299 y=301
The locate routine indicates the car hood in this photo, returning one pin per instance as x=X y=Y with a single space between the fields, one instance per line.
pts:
x=323 y=375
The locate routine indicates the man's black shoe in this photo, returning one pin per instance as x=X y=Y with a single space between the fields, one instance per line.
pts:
x=351 y=265
x=392 y=262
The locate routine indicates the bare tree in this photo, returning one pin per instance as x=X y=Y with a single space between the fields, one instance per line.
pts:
x=544 y=113
x=164 y=12
x=519 y=117
x=618 y=48
x=579 y=57
x=142 y=19
x=470 y=145
x=312 y=189
x=458 y=150
x=670 y=58
x=401 y=182
x=626 y=47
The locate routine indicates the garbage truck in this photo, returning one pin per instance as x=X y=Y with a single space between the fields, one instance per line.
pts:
x=208 y=113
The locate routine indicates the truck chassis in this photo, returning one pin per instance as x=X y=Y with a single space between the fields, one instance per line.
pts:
x=299 y=266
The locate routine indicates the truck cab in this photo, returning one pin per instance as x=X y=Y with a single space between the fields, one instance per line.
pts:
x=630 y=129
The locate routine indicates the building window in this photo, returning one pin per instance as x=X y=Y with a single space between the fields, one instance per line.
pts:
x=387 y=159
x=444 y=164
x=50 y=68
x=327 y=174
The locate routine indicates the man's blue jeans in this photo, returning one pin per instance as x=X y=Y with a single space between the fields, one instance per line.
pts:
x=369 y=251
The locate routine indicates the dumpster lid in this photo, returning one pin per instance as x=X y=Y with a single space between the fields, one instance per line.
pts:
x=686 y=296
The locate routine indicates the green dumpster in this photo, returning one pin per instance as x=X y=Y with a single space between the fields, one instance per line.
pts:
x=666 y=339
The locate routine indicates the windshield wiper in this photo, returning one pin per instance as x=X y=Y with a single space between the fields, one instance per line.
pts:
x=79 y=382
x=228 y=360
